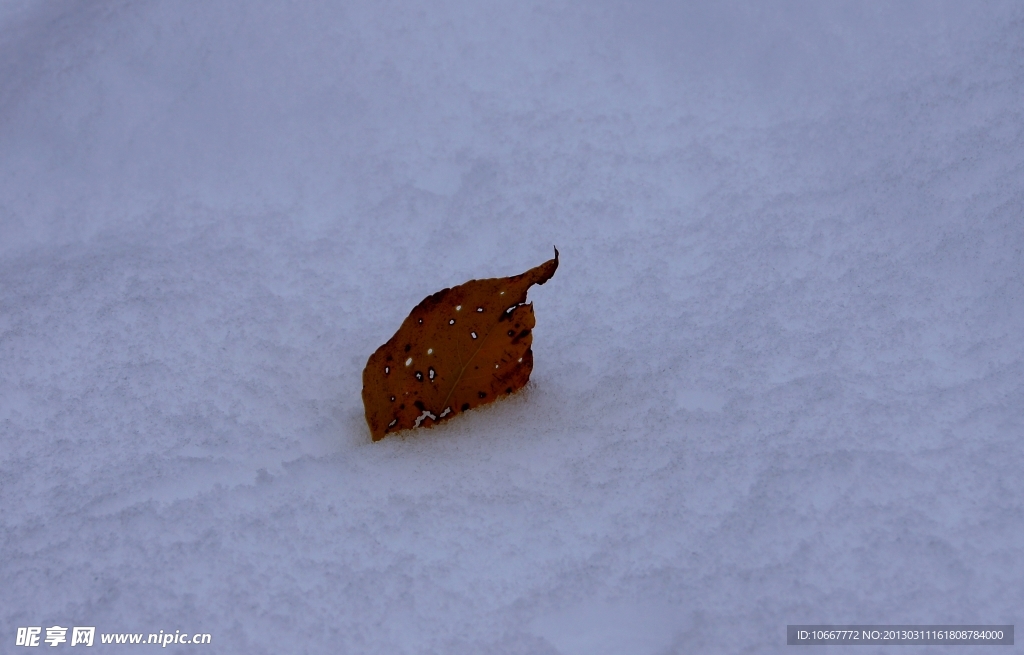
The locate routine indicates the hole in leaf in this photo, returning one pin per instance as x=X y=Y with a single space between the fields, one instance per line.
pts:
x=422 y=417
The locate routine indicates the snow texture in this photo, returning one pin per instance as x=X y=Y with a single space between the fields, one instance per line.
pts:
x=779 y=373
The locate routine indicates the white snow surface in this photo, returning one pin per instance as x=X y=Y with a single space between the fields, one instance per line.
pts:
x=779 y=373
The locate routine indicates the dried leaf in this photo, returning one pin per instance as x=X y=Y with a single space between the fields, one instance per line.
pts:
x=460 y=348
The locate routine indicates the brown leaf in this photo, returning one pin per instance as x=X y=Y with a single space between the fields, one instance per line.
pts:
x=460 y=348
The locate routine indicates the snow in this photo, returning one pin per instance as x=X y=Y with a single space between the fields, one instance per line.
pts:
x=779 y=375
